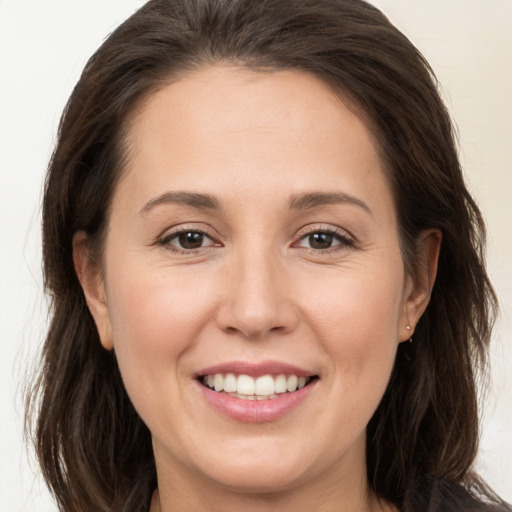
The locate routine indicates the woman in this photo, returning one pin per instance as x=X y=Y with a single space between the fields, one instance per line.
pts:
x=266 y=270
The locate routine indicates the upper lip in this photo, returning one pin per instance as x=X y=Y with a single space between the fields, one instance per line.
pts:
x=256 y=369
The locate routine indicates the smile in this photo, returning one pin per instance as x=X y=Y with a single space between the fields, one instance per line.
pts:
x=255 y=392
x=246 y=387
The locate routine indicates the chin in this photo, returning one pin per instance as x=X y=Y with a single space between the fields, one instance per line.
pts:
x=259 y=480
x=270 y=471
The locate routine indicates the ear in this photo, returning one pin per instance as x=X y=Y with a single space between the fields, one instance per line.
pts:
x=93 y=286
x=418 y=287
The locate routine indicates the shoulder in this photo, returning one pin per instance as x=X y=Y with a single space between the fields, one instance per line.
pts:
x=445 y=496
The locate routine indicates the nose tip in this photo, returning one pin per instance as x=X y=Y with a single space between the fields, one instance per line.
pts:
x=252 y=320
x=257 y=304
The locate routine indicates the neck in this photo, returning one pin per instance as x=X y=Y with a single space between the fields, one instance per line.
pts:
x=372 y=505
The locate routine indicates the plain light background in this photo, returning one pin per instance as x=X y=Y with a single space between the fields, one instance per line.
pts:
x=43 y=47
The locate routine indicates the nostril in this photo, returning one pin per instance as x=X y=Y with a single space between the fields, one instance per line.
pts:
x=254 y=311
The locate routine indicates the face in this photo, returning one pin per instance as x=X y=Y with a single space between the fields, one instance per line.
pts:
x=253 y=246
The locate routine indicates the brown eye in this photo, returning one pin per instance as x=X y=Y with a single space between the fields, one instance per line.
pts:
x=324 y=240
x=191 y=240
x=321 y=240
x=187 y=240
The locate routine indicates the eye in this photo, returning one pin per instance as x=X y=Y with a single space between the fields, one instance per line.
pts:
x=323 y=240
x=187 y=240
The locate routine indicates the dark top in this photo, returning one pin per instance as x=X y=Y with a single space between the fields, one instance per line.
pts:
x=442 y=496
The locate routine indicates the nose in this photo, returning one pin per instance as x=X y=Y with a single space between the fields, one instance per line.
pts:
x=257 y=298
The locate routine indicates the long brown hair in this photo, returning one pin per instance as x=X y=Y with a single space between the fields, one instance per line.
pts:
x=94 y=450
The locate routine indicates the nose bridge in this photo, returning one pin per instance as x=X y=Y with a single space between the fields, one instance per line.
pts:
x=257 y=301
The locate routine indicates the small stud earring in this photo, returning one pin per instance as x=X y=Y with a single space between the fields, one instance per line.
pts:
x=409 y=328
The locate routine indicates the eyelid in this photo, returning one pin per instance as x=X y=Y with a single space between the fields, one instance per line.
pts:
x=342 y=235
x=174 y=231
x=325 y=228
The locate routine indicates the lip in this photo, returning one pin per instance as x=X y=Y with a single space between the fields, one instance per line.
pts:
x=256 y=369
x=255 y=411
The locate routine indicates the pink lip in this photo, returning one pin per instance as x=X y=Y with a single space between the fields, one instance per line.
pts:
x=256 y=369
x=255 y=411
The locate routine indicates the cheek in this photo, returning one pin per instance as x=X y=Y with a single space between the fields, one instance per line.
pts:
x=357 y=322
x=156 y=317
x=361 y=305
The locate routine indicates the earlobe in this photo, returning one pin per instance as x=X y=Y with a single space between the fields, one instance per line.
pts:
x=419 y=286
x=93 y=287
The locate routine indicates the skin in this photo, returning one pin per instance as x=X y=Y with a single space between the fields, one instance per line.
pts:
x=256 y=290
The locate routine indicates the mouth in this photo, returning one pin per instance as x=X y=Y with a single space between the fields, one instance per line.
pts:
x=256 y=392
x=263 y=387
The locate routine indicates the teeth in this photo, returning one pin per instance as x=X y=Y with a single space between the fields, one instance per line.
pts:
x=253 y=397
x=230 y=383
x=264 y=386
x=218 y=382
x=244 y=385
x=280 y=384
x=291 y=383
x=261 y=388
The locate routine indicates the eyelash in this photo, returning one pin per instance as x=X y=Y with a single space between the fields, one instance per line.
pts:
x=345 y=241
x=165 y=241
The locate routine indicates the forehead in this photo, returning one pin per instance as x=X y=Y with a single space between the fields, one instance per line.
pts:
x=217 y=99
x=223 y=128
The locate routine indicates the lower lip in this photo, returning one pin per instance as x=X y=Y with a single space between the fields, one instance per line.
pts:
x=256 y=411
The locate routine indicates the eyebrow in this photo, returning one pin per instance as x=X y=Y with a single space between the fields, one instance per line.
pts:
x=315 y=199
x=297 y=202
x=203 y=201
